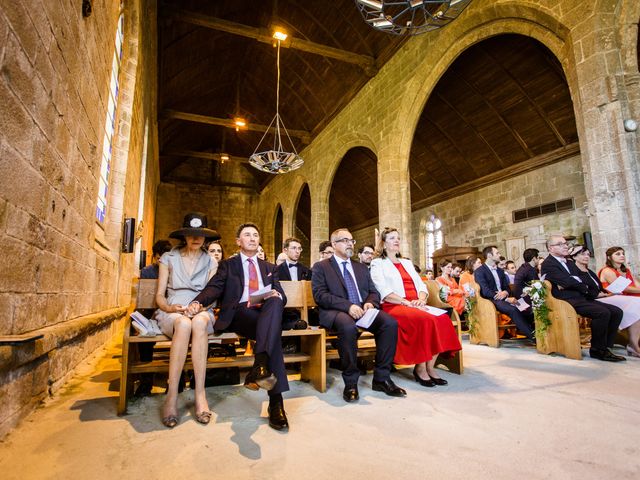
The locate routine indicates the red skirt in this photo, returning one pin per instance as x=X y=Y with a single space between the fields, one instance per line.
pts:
x=422 y=335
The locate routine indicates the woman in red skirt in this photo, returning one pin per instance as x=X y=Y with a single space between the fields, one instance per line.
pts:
x=421 y=335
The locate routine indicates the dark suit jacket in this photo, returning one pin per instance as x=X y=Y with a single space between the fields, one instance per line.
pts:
x=525 y=274
x=559 y=277
x=330 y=292
x=227 y=286
x=304 y=272
x=484 y=278
x=593 y=283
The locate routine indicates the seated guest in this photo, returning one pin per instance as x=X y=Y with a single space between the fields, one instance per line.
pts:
x=344 y=291
x=615 y=268
x=510 y=270
x=527 y=272
x=291 y=268
x=494 y=286
x=326 y=249
x=215 y=250
x=422 y=336
x=455 y=272
x=184 y=272
x=365 y=254
x=470 y=265
x=152 y=270
x=630 y=305
x=428 y=275
x=501 y=263
x=261 y=255
x=566 y=285
x=236 y=280
x=455 y=295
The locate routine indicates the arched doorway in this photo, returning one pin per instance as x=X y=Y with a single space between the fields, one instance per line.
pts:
x=353 y=199
x=302 y=228
x=277 y=233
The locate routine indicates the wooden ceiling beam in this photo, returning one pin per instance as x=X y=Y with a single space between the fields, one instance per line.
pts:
x=227 y=122
x=205 y=155
x=366 y=62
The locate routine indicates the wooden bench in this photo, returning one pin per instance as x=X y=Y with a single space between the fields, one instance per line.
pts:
x=311 y=357
x=563 y=336
x=487 y=321
x=454 y=364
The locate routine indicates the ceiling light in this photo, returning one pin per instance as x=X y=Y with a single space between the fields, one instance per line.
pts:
x=280 y=35
x=410 y=17
x=239 y=123
x=224 y=157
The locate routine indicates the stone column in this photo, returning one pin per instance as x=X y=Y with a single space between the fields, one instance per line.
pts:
x=609 y=157
x=319 y=221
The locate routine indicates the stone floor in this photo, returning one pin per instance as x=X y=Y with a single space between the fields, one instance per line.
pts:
x=514 y=413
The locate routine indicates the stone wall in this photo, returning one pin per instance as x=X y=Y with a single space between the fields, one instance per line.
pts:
x=484 y=217
x=61 y=274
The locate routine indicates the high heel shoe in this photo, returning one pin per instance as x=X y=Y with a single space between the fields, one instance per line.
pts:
x=422 y=381
x=438 y=381
x=632 y=352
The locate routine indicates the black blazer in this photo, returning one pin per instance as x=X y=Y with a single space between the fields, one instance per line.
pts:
x=330 y=292
x=484 y=278
x=559 y=277
x=593 y=283
x=525 y=274
x=227 y=285
x=304 y=272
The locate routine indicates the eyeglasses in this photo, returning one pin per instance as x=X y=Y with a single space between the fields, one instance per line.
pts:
x=326 y=252
x=558 y=244
x=297 y=249
x=351 y=241
x=366 y=252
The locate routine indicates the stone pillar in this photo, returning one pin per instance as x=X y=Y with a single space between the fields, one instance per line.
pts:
x=609 y=157
x=319 y=221
x=394 y=196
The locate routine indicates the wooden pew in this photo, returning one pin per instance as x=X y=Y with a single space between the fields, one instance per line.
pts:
x=454 y=364
x=311 y=357
x=563 y=336
x=487 y=326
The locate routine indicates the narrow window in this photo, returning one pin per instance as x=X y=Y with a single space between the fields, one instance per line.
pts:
x=433 y=238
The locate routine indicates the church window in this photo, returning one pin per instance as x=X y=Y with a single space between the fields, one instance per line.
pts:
x=433 y=238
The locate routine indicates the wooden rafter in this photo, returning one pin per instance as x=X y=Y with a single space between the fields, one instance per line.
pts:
x=205 y=155
x=366 y=62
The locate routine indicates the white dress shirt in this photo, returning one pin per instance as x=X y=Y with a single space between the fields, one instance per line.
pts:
x=245 y=269
x=293 y=271
x=350 y=269
x=494 y=272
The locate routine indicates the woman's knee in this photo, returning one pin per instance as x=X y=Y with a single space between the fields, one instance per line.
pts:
x=182 y=324
x=199 y=322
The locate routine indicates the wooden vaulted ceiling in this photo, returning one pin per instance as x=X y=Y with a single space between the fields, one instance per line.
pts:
x=216 y=61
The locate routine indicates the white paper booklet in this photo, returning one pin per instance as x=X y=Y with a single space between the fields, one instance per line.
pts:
x=619 y=285
x=522 y=305
x=144 y=326
x=433 y=310
x=258 y=296
x=367 y=319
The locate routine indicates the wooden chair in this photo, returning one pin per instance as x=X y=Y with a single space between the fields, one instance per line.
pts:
x=487 y=321
x=454 y=364
x=563 y=336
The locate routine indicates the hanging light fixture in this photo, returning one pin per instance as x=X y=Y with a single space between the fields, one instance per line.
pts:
x=410 y=17
x=277 y=160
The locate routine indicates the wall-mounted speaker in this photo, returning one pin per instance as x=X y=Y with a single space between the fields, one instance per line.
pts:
x=128 y=235
x=588 y=241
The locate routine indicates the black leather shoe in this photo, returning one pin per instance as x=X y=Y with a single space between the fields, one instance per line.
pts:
x=439 y=381
x=350 y=393
x=388 y=387
x=422 y=381
x=260 y=377
x=277 y=416
x=606 y=355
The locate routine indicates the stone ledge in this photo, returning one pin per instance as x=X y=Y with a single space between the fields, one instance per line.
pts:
x=12 y=357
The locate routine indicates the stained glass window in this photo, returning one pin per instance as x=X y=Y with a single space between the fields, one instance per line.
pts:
x=433 y=238
x=110 y=124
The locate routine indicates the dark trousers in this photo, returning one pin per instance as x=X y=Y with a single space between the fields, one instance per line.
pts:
x=264 y=325
x=605 y=320
x=523 y=320
x=385 y=331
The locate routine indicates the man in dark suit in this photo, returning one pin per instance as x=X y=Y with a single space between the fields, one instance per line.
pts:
x=566 y=285
x=344 y=291
x=494 y=286
x=527 y=272
x=291 y=268
x=236 y=279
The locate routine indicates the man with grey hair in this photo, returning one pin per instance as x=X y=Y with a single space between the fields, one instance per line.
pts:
x=344 y=291
x=566 y=285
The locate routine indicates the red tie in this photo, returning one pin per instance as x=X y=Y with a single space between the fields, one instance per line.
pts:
x=254 y=286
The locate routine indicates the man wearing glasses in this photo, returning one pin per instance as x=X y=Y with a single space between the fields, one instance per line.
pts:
x=566 y=285
x=326 y=250
x=344 y=291
x=291 y=268
x=365 y=255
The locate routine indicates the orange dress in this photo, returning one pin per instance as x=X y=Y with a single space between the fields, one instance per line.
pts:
x=456 y=300
x=466 y=277
x=628 y=275
x=421 y=335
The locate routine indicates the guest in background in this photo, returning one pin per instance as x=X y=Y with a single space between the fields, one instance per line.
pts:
x=455 y=272
x=615 y=267
x=510 y=270
x=422 y=336
x=428 y=275
x=502 y=263
x=527 y=272
x=566 y=285
x=152 y=270
x=470 y=265
x=215 y=250
x=184 y=272
x=291 y=268
x=629 y=304
x=365 y=254
x=455 y=295
x=261 y=255
x=326 y=250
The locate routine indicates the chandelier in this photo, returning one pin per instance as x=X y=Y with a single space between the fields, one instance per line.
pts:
x=410 y=17
x=277 y=160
